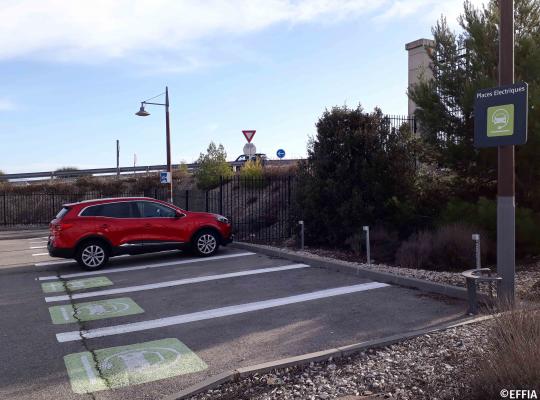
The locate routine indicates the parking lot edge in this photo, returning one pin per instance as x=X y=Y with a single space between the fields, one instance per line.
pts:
x=363 y=272
x=304 y=359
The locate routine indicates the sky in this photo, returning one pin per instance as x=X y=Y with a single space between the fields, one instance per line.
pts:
x=73 y=73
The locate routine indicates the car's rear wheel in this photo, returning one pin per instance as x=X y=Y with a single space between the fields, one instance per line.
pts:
x=92 y=255
x=205 y=243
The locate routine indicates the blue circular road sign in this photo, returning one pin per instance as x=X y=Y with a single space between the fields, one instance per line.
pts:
x=280 y=153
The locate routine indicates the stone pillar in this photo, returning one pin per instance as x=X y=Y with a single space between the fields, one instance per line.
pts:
x=419 y=62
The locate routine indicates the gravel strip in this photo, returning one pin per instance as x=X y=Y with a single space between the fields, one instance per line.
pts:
x=527 y=276
x=432 y=366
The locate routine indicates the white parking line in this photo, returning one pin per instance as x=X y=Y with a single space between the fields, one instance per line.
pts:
x=47 y=263
x=39 y=237
x=39 y=242
x=40 y=254
x=146 y=266
x=37 y=247
x=214 y=313
x=178 y=282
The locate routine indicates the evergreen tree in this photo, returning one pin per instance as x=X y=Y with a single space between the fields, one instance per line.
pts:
x=462 y=64
x=212 y=166
x=360 y=170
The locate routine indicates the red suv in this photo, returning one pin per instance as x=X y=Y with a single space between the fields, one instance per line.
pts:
x=94 y=230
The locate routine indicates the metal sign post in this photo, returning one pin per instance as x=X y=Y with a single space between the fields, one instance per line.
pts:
x=500 y=120
x=506 y=205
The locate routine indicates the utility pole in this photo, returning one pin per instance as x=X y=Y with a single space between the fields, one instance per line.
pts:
x=117 y=158
x=506 y=208
x=168 y=134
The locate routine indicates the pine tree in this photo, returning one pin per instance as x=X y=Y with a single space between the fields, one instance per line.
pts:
x=462 y=64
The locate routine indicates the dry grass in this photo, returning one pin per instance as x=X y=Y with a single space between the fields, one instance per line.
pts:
x=287 y=169
x=447 y=248
x=512 y=359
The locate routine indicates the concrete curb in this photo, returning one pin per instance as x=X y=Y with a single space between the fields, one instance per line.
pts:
x=346 y=267
x=335 y=353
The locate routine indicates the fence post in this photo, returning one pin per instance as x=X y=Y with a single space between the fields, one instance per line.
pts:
x=221 y=195
x=206 y=195
x=5 y=209
x=289 y=222
x=187 y=200
x=53 y=206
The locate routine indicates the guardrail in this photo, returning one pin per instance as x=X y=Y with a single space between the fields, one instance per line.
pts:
x=122 y=170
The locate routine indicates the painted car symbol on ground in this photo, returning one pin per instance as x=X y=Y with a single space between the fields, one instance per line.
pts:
x=136 y=360
x=130 y=365
x=94 y=310
x=78 y=284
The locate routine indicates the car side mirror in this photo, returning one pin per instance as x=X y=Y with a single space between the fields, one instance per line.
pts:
x=178 y=215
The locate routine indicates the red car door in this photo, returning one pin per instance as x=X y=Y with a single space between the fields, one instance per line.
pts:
x=163 y=226
x=119 y=222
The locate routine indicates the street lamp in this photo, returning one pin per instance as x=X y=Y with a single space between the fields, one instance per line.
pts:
x=143 y=113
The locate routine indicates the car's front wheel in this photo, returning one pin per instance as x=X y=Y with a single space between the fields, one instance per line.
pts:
x=205 y=243
x=92 y=255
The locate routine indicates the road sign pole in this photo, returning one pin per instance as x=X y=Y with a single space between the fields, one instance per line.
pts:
x=506 y=178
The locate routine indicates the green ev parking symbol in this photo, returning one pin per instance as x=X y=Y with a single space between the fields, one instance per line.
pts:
x=94 y=310
x=78 y=284
x=121 y=366
x=500 y=120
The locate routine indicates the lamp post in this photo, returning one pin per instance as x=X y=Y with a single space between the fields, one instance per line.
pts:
x=143 y=113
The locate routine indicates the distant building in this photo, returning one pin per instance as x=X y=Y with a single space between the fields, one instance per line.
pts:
x=419 y=64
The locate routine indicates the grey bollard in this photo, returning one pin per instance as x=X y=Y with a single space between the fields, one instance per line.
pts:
x=368 y=249
x=301 y=223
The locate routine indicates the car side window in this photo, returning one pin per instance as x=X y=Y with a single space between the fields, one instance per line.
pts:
x=149 y=209
x=117 y=210
x=92 y=211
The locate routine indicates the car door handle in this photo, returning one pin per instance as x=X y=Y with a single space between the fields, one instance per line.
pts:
x=104 y=226
x=147 y=225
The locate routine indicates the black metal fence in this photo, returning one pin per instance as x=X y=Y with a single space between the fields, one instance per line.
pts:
x=259 y=208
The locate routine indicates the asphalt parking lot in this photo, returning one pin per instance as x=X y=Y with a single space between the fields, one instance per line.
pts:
x=149 y=326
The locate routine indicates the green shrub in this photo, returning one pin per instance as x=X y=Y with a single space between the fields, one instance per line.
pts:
x=212 y=166
x=360 y=171
x=252 y=174
x=483 y=214
x=182 y=173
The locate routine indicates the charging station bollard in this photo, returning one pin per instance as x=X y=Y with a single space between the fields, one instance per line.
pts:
x=301 y=223
x=368 y=250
